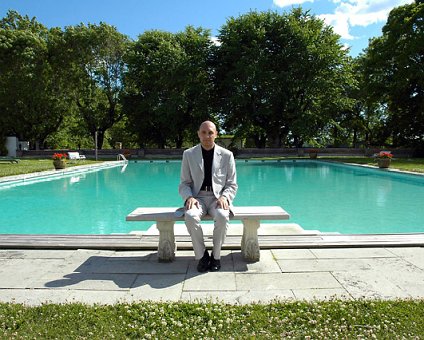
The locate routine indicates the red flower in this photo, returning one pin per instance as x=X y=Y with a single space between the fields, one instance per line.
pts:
x=60 y=156
x=384 y=154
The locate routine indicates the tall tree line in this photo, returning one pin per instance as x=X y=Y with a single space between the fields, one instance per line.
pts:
x=272 y=80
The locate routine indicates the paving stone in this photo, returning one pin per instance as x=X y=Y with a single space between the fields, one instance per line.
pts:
x=406 y=251
x=292 y=254
x=142 y=255
x=281 y=281
x=11 y=254
x=91 y=281
x=264 y=297
x=105 y=265
x=158 y=287
x=43 y=254
x=369 y=284
x=22 y=273
x=351 y=253
x=33 y=297
x=394 y=265
x=93 y=276
x=412 y=255
x=403 y=274
x=267 y=263
x=416 y=260
x=184 y=253
x=159 y=281
x=322 y=265
x=210 y=281
x=4 y=254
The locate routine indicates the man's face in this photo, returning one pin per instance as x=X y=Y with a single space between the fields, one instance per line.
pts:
x=207 y=134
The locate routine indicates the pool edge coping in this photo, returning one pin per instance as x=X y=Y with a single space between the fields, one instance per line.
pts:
x=368 y=166
x=39 y=175
x=141 y=242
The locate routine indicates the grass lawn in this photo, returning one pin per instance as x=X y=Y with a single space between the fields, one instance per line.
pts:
x=362 y=319
x=405 y=164
x=33 y=165
x=26 y=166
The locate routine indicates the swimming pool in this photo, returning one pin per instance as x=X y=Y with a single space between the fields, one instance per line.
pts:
x=318 y=195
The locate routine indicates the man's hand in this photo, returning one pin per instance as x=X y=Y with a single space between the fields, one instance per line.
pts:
x=222 y=203
x=191 y=202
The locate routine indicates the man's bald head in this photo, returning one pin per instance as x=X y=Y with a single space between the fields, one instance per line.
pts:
x=207 y=134
x=207 y=123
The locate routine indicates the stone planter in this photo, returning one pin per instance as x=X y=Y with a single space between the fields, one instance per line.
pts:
x=59 y=164
x=383 y=162
x=313 y=155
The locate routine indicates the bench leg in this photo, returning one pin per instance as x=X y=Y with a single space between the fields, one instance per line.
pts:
x=167 y=246
x=249 y=242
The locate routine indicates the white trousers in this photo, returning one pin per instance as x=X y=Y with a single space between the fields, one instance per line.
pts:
x=208 y=205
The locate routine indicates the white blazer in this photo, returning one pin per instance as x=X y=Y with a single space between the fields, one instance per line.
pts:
x=224 y=178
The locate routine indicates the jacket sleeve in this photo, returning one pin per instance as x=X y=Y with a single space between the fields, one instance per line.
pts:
x=230 y=188
x=186 y=181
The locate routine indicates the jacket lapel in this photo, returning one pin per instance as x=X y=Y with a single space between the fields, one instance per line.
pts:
x=216 y=160
x=198 y=156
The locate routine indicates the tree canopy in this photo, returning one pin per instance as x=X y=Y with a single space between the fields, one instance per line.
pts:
x=168 y=85
x=280 y=78
x=394 y=74
x=270 y=79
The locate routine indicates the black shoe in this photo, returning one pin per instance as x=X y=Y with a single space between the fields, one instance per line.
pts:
x=203 y=264
x=214 y=265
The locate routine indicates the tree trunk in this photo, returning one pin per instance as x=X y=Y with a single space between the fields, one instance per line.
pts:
x=100 y=138
x=260 y=140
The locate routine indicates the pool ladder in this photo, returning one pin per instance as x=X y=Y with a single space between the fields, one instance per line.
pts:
x=121 y=156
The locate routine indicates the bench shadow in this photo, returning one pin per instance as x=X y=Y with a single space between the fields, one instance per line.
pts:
x=137 y=271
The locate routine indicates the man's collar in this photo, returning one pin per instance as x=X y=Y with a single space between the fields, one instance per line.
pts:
x=210 y=150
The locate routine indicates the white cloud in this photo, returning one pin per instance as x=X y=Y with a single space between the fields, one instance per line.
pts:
x=285 y=3
x=215 y=41
x=351 y=13
x=340 y=24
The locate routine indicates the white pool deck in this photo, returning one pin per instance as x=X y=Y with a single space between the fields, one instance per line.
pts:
x=69 y=171
x=294 y=265
x=40 y=276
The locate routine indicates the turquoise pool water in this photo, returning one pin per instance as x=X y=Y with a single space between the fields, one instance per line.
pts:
x=318 y=195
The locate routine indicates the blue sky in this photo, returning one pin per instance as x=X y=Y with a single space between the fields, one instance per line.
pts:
x=355 y=20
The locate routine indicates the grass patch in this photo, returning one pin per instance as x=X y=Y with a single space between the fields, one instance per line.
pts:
x=34 y=165
x=404 y=164
x=317 y=320
x=26 y=166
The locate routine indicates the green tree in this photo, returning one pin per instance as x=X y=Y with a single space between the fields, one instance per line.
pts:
x=394 y=73
x=34 y=92
x=95 y=62
x=168 y=86
x=280 y=78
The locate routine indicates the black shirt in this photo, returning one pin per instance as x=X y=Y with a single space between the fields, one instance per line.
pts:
x=207 y=164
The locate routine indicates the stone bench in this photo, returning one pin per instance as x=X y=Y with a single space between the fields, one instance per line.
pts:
x=250 y=216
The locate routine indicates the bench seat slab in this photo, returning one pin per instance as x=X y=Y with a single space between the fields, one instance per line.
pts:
x=250 y=216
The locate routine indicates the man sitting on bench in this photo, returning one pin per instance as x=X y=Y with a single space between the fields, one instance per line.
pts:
x=208 y=185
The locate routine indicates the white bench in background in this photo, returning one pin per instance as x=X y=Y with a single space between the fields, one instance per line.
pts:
x=75 y=156
x=250 y=216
